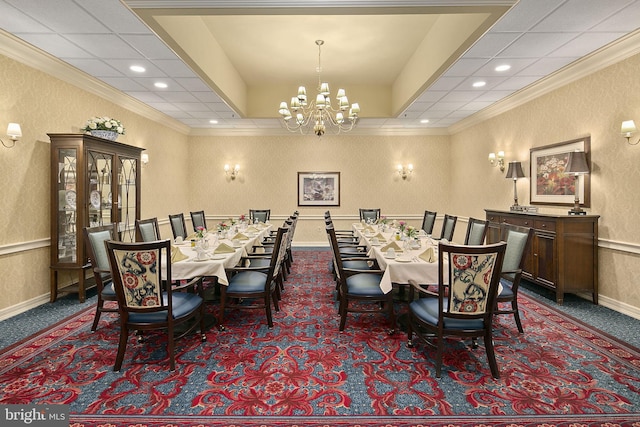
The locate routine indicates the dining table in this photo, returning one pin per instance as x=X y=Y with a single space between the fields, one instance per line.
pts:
x=415 y=258
x=216 y=253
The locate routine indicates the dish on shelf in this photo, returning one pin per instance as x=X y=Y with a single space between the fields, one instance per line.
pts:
x=94 y=198
x=70 y=199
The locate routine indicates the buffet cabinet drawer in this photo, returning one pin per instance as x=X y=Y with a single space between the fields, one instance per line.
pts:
x=545 y=225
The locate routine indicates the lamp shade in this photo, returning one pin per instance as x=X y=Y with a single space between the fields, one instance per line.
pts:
x=515 y=170
x=577 y=163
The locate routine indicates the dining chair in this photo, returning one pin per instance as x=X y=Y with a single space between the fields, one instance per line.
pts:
x=369 y=215
x=259 y=215
x=178 y=226
x=360 y=287
x=464 y=303
x=94 y=238
x=518 y=245
x=198 y=220
x=429 y=221
x=253 y=287
x=448 y=227
x=145 y=303
x=147 y=230
x=476 y=231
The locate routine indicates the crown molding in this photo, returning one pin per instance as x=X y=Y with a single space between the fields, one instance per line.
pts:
x=611 y=54
x=17 y=49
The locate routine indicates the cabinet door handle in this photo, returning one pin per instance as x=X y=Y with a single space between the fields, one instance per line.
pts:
x=544 y=225
x=526 y=223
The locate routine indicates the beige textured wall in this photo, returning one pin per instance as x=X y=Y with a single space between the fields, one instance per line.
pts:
x=42 y=104
x=594 y=106
x=269 y=167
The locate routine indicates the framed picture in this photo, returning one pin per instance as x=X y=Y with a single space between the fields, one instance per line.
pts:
x=318 y=188
x=549 y=184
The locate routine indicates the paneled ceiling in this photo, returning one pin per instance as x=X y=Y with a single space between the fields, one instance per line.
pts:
x=411 y=65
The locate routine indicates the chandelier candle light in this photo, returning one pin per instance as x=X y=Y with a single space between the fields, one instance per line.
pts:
x=320 y=113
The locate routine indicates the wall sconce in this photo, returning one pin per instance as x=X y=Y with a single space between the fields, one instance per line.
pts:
x=232 y=173
x=497 y=160
x=404 y=171
x=629 y=128
x=514 y=172
x=144 y=158
x=577 y=165
x=14 y=132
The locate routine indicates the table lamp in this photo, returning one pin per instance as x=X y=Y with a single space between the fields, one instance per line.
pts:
x=577 y=165
x=515 y=172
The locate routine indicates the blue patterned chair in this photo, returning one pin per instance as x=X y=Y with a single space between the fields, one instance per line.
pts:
x=465 y=300
x=144 y=302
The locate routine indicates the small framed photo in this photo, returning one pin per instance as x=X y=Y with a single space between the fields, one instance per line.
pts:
x=550 y=185
x=318 y=188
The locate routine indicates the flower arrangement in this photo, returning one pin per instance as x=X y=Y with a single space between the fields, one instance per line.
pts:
x=402 y=226
x=103 y=123
x=411 y=232
x=200 y=232
x=243 y=218
x=223 y=226
x=383 y=220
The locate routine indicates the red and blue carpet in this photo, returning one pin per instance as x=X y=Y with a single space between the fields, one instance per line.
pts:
x=303 y=372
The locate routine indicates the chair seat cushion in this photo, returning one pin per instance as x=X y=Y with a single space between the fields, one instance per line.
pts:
x=108 y=291
x=364 y=284
x=426 y=309
x=183 y=303
x=506 y=290
x=357 y=265
x=260 y=262
x=247 y=282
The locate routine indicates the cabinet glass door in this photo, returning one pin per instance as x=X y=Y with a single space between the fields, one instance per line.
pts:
x=67 y=209
x=127 y=189
x=99 y=196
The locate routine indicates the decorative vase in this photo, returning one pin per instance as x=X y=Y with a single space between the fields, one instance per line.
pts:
x=105 y=134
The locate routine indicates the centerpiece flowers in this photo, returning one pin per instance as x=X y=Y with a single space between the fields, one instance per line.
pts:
x=411 y=232
x=383 y=220
x=201 y=232
x=242 y=218
x=224 y=226
x=402 y=226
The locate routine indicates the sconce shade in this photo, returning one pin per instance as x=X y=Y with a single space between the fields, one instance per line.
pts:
x=515 y=170
x=628 y=127
x=144 y=158
x=577 y=163
x=14 y=131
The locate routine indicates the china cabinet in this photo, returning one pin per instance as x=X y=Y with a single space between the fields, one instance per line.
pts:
x=563 y=255
x=94 y=181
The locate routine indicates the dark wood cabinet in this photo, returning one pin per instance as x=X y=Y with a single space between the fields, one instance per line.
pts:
x=94 y=181
x=563 y=255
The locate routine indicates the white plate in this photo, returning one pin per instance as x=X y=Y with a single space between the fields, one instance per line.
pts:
x=402 y=259
x=70 y=198
x=94 y=197
x=389 y=257
x=201 y=260
x=218 y=256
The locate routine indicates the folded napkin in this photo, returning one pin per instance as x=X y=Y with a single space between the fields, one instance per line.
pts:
x=392 y=245
x=239 y=236
x=192 y=236
x=223 y=248
x=429 y=255
x=369 y=228
x=380 y=237
x=252 y=229
x=177 y=255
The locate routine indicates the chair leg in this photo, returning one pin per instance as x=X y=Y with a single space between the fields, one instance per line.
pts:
x=392 y=315
x=439 y=351
x=122 y=346
x=267 y=305
x=96 y=318
x=343 y=312
x=516 y=315
x=488 y=344
x=223 y=300
x=171 y=347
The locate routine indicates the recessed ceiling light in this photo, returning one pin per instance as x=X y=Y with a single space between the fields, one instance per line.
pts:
x=213 y=122
x=161 y=85
x=504 y=67
x=424 y=121
x=137 y=68
x=479 y=84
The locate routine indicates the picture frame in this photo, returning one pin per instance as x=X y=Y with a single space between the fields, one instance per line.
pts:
x=318 y=188
x=549 y=184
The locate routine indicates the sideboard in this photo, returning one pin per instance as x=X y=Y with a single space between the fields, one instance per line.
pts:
x=563 y=255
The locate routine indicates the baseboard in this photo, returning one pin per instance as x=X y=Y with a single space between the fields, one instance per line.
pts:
x=14 y=310
x=618 y=306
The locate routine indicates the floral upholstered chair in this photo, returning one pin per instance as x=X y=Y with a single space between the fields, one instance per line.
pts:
x=465 y=300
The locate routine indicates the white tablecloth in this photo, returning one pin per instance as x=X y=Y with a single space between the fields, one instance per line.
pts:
x=395 y=271
x=217 y=263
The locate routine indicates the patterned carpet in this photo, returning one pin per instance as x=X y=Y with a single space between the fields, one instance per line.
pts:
x=304 y=372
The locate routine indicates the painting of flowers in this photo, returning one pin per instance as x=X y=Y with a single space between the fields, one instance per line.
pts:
x=550 y=185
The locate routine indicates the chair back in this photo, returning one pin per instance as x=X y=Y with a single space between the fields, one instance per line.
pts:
x=335 y=252
x=428 y=221
x=178 y=226
x=137 y=277
x=198 y=220
x=147 y=230
x=279 y=253
x=448 y=227
x=259 y=215
x=518 y=242
x=369 y=215
x=468 y=284
x=476 y=231
x=94 y=238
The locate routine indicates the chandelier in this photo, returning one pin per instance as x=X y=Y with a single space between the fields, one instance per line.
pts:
x=319 y=113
